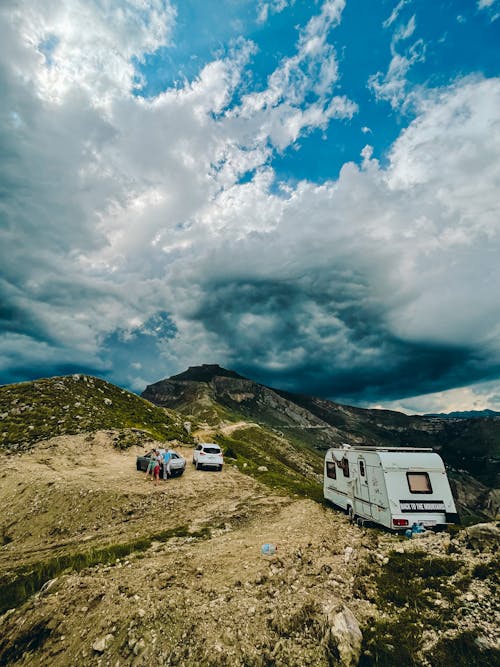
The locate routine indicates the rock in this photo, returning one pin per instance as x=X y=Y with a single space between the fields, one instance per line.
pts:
x=48 y=585
x=108 y=401
x=484 y=536
x=139 y=646
x=263 y=469
x=348 y=552
x=344 y=635
x=100 y=645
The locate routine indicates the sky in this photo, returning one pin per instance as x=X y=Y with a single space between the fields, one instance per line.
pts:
x=306 y=192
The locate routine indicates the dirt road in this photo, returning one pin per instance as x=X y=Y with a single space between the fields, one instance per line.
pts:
x=211 y=597
x=107 y=569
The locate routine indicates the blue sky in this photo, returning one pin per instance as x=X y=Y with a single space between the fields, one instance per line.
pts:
x=305 y=192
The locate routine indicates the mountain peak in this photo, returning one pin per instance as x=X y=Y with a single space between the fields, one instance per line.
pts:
x=205 y=373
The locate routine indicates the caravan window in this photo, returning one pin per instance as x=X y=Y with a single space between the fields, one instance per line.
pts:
x=330 y=470
x=362 y=468
x=345 y=467
x=419 y=482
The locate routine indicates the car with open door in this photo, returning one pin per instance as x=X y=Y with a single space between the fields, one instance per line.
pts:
x=177 y=462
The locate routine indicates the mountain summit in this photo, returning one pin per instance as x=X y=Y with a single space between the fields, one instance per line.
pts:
x=214 y=395
x=205 y=373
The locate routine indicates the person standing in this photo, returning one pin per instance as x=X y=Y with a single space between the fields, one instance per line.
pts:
x=151 y=465
x=166 y=464
x=156 y=470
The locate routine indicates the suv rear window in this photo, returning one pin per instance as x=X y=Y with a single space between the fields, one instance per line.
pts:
x=211 y=450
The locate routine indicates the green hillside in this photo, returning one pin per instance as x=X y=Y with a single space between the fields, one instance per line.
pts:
x=32 y=411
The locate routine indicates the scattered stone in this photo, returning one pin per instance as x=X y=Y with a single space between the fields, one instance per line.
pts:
x=100 y=645
x=348 y=554
x=263 y=469
x=344 y=633
x=139 y=646
x=483 y=536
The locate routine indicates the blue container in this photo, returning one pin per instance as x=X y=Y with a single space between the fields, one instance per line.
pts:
x=268 y=549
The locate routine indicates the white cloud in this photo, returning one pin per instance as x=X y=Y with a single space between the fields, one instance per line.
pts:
x=395 y=13
x=264 y=9
x=92 y=44
x=393 y=85
x=481 y=396
x=121 y=209
x=483 y=4
x=491 y=6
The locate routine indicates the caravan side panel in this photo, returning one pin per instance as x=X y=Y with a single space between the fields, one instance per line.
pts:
x=335 y=484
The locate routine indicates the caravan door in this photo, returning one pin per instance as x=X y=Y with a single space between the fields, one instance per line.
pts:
x=363 y=490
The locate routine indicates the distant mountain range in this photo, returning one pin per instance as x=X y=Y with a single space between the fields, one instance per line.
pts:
x=211 y=394
x=466 y=414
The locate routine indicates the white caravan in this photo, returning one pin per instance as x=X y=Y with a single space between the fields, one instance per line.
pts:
x=394 y=487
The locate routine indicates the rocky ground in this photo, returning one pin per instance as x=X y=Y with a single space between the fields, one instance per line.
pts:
x=127 y=573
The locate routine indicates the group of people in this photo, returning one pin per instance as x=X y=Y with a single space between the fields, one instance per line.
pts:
x=157 y=462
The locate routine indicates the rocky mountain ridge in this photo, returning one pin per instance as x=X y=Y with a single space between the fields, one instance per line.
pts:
x=470 y=447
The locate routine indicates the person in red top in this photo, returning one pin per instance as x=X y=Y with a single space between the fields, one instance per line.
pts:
x=156 y=469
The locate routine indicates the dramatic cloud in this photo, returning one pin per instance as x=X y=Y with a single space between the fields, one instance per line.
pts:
x=143 y=235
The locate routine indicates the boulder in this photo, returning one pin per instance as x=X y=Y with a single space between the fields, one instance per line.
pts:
x=343 y=636
x=484 y=536
x=100 y=645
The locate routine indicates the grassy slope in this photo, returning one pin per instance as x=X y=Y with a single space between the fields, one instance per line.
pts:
x=32 y=411
x=287 y=467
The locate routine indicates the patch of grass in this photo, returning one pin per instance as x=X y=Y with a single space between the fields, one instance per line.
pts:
x=463 y=651
x=127 y=438
x=305 y=620
x=285 y=470
x=389 y=643
x=33 y=411
x=410 y=578
x=27 y=580
x=407 y=590
x=488 y=570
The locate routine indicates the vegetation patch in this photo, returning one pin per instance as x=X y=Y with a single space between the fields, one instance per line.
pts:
x=280 y=467
x=412 y=590
x=33 y=411
x=488 y=570
x=27 y=580
x=463 y=650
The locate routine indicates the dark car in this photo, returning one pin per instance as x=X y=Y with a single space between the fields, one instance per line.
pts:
x=177 y=462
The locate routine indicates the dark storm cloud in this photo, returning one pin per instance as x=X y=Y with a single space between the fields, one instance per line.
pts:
x=327 y=342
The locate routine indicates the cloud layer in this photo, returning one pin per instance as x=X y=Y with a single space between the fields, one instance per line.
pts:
x=144 y=235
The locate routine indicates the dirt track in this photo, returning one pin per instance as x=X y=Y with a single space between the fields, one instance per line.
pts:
x=74 y=493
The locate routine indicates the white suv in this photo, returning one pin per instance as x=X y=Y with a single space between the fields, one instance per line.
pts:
x=208 y=454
